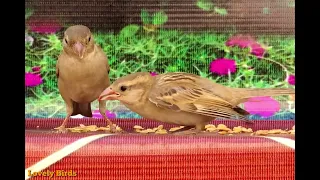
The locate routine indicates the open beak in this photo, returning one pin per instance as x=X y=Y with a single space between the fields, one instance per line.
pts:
x=79 y=49
x=108 y=94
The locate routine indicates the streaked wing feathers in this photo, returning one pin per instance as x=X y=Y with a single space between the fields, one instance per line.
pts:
x=181 y=92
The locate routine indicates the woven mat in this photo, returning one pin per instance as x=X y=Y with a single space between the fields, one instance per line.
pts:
x=129 y=156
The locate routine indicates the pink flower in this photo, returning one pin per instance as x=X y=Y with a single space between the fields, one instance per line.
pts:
x=241 y=41
x=247 y=42
x=153 y=73
x=257 y=50
x=32 y=80
x=44 y=27
x=222 y=66
x=36 y=68
x=292 y=80
x=262 y=106
x=96 y=114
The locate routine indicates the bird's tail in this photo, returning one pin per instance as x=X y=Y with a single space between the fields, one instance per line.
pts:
x=246 y=93
x=268 y=92
x=83 y=109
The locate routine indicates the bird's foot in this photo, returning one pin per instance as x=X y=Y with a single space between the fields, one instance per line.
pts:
x=110 y=124
x=112 y=128
x=187 y=132
x=61 y=129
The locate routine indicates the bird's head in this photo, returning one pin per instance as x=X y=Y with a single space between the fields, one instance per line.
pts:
x=129 y=89
x=78 y=41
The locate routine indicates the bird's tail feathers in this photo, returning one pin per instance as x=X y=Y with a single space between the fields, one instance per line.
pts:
x=246 y=93
x=269 y=92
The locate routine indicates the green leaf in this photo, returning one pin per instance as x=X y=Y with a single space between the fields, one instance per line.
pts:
x=129 y=31
x=55 y=42
x=159 y=18
x=248 y=73
x=145 y=17
x=180 y=62
x=226 y=49
x=266 y=10
x=171 y=69
x=260 y=84
x=292 y=110
x=221 y=11
x=202 y=74
x=291 y=4
x=112 y=60
x=206 y=5
x=29 y=12
x=28 y=69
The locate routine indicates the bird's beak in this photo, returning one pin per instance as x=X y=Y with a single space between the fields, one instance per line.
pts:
x=79 y=49
x=108 y=94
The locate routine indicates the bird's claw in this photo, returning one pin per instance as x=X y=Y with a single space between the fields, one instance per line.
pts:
x=112 y=128
x=61 y=129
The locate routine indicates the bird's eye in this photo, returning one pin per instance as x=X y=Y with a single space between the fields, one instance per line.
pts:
x=123 y=88
x=89 y=39
x=66 y=41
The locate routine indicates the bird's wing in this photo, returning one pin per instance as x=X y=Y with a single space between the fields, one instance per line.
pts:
x=182 y=92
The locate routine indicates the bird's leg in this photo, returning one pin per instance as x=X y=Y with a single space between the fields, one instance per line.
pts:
x=62 y=129
x=69 y=107
x=102 y=109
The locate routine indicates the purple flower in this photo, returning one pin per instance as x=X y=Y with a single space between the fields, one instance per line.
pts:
x=44 y=27
x=262 y=106
x=247 y=42
x=32 y=80
x=96 y=114
x=36 y=68
x=28 y=39
x=223 y=66
x=153 y=73
x=292 y=79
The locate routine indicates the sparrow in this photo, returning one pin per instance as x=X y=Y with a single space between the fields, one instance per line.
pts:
x=82 y=70
x=183 y=99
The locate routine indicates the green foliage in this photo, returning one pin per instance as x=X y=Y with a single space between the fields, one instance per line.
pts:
x=291 y=4
x=28 y=13
x=152 y=22
x=221 y=11
x=159 y=18
x=145 y=17
x=129 y=31
x=206 y=5
x=133 y=50
x=266 y=10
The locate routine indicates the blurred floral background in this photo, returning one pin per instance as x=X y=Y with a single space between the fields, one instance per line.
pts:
x=231 y=58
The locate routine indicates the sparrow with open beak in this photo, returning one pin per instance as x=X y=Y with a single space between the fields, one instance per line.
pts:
x=83 y=73
x=182 y=98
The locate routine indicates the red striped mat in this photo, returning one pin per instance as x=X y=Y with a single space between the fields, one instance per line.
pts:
x=140 y=156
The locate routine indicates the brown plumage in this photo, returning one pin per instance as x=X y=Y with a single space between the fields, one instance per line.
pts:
x=183 y=98
x=82 y=71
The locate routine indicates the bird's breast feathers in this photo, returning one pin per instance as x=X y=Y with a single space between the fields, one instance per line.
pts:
x=91 y=67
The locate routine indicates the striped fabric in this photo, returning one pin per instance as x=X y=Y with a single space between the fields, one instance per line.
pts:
x=94 y=156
